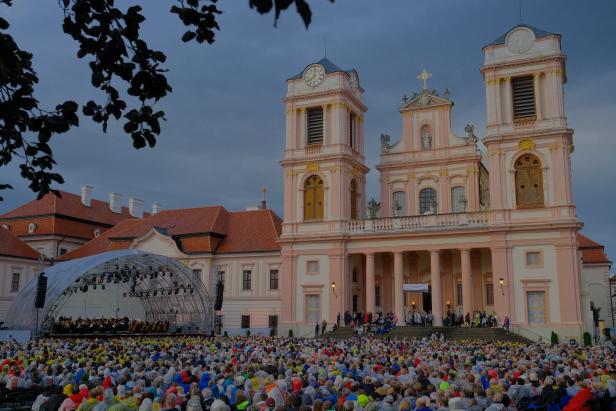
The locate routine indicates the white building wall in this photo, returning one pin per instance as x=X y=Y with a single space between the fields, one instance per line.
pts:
x=27 y=269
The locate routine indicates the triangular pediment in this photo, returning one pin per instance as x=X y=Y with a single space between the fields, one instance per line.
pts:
x=425 y=99
x=155 y=241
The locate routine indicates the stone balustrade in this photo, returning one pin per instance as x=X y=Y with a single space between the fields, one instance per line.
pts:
x=420 y=222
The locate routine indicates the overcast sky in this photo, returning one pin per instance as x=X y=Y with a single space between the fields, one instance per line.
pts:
x=225 y=130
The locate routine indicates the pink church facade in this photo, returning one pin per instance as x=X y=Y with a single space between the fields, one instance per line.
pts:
x=491 y=229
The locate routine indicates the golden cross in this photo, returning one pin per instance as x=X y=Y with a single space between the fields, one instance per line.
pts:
x=424 y=76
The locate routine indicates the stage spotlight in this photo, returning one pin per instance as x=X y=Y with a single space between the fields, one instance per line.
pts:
x=103 y=286
x=94 y=287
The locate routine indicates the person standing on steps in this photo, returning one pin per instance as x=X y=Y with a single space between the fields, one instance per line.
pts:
x=507 y=324
x=323 y=327
x=316 y=330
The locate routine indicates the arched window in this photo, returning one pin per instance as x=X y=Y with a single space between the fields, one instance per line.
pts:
x=313 y=198
x=458 y=200
x=398 y=204
x=353 y=200
x=528 y=181
x=427 y=201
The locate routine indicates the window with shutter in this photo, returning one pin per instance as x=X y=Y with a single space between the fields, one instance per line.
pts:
x=528 y=182
x=523 y=94
x=313 y=198
x=315 y=126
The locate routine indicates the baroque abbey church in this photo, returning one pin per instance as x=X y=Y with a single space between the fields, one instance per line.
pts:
x=454 y=229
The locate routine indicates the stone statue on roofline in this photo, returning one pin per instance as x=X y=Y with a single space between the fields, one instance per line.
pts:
x=470 y=138
x=373 y=208
x=385 y=146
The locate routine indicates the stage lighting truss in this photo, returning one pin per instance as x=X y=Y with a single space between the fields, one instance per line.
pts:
x=158 y=286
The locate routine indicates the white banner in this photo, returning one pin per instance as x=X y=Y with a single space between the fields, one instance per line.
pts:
x=415 y=287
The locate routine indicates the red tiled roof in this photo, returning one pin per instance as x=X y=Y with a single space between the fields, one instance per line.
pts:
x=249 y=231
x=13 y=247
x=102 y=243
x=198 y=230
x=69 y=205
x=182 y=221
x=592 y=252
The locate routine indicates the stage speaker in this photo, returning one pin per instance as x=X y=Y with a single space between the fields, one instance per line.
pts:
x=220 y=289
x=41 y=291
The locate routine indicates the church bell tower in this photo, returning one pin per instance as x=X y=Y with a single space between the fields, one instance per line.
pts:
x=324 y=170
x=527 y=137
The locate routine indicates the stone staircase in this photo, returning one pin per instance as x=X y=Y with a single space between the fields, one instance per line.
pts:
x=450 y=333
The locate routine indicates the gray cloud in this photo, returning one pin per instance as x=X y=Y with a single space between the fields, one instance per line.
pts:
x=225 y=130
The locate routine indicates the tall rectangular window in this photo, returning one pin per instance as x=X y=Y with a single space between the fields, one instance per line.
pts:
x=273 y=280
x=458 y=200
x=314 y=125
x=15 y=282
x=535 y=301
x=246 y=280
x=489 y=294
x=459 y=294
x=523 y=95
x=313 y=308
x=272 y=323
x=245 y=321
x=352 y=130
x=399 y=204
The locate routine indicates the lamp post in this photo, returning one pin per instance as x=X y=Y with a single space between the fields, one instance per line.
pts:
x=448 y=305
x=413 y=304
x=501 y=281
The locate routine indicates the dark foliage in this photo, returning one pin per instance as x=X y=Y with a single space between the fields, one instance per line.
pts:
x=130 y=75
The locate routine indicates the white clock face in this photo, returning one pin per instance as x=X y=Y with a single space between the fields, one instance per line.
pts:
x=314 y=75
x=520 y=40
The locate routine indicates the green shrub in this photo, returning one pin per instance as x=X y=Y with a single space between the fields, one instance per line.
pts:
x=587 y=339
x=554 y=338
x=290 y=333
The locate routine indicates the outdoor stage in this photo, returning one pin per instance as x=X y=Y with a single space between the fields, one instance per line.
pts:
x=128 y=290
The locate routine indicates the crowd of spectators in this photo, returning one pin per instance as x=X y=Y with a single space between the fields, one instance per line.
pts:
x=302 y=374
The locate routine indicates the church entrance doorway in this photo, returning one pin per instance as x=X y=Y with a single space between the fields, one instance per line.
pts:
x=427 y=300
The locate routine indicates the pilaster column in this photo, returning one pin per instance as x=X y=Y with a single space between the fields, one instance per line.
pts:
x=538 y=105
x=437 y=292
x=398 y=294
x=467 y=281
x=370 y=286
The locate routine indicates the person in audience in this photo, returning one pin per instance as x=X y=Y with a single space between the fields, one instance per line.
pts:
x=366 y=372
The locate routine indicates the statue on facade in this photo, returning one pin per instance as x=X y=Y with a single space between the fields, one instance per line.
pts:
x=397 y=208
x=385 y=146
x=373 y=208
x=426 y=139
x=470 y=138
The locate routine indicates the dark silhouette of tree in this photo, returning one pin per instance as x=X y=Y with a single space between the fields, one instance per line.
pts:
x=121 y=62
